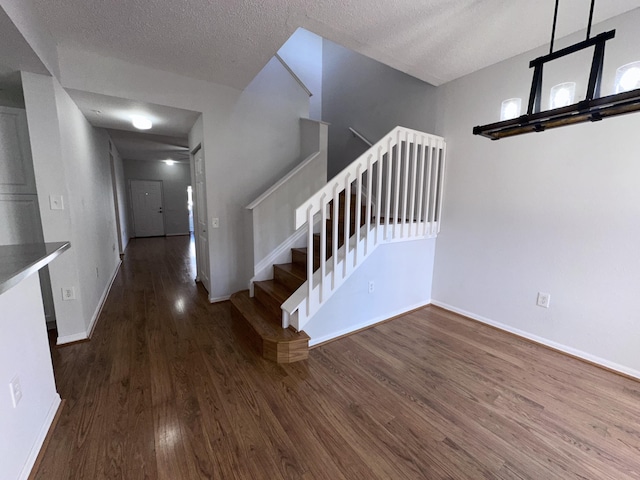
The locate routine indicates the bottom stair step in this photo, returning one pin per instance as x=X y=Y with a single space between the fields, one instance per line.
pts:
x=281 y=345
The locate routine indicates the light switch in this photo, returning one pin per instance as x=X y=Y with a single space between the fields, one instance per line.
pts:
x=215 y=223
x=56 y=202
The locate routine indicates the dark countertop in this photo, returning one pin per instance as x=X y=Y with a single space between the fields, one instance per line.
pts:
x=19 y=261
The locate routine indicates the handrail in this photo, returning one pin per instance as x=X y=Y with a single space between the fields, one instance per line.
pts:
x=404 y=172
x=293 y=74
x=282 y=181
x=360 y=136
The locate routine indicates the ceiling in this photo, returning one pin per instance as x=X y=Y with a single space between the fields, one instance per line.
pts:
x=229 y=41
x=170 y=126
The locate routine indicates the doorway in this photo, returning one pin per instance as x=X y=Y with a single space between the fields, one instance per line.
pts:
x=148 y=216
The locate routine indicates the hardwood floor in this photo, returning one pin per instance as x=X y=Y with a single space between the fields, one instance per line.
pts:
x=165 y=391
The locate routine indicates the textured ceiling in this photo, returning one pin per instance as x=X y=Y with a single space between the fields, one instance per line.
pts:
x=229 y=41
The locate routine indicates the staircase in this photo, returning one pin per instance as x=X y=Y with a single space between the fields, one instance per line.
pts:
x=259 y=318
x=392 y=193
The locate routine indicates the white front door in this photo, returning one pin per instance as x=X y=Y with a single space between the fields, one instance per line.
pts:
x=146 y=199
x=202 y=235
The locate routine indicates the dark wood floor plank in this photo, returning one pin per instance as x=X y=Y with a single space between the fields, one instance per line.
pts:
x=167 y=390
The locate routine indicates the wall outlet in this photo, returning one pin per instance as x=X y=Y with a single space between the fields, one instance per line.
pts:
x=215 y=223
x=68 y=293
x=371 y=286
x=16 y=391
x=543 y=300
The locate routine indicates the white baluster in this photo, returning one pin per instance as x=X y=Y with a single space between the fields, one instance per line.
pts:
x=379 y=194
x=309 y=258
x=334 y=234
x=427 y=198
x=358 y=213
x=420 y=221
x=405 y=182
x=443 y=159
x=436 y=169
x=323 y=245
x=369 y=200
x=387 y=207
x=346 y=221
x=413 y=177
x=396 y=168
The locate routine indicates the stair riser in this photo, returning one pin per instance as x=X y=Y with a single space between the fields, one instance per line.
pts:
x=269 y=302
x=287 y=279
x=300 y=258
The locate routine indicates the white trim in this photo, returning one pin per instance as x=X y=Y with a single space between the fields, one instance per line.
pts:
x=283 y=180
x=365 y=324
x=102 y=301
x=39 y=441
x=223 y=298
x=543 y=341
x=76 y=337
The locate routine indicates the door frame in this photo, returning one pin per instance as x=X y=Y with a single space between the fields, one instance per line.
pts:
x=196 y=207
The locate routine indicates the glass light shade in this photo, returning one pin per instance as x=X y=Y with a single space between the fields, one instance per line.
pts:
x=141 y=122
x=510 y=109
x=169 y=162
x=628 y=77
x=562 y=95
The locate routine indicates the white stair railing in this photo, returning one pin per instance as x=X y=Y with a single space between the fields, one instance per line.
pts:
x=404 y=171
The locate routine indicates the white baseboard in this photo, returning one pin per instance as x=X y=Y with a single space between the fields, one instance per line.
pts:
x=365 y=324
x=76 y=337
x=39 y=441
x=543 y=341
x=224 y=298
x=177 y=234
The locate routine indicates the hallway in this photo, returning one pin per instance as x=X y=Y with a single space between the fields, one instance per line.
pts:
x=164 y=390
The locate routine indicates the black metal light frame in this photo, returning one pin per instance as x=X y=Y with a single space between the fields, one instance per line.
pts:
x=593 y=108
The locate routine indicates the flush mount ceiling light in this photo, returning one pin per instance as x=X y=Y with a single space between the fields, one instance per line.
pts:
x=141 y=122
x=562 y=110
x=169 y=162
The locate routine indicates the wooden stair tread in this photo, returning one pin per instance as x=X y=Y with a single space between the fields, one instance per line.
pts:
x=257 y=325
x=261 y=320
x=278 y=291
x=294 y=269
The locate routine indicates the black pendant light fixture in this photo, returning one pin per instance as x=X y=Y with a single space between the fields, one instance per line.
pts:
x=593 y=108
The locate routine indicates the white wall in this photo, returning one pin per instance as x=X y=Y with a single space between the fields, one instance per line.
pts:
x=71 y=159
x=555 y=212
x=371 y=97
x=250 y=138
x=24 y=352
x=303 y=53
x=402 y=275
x=175 y=180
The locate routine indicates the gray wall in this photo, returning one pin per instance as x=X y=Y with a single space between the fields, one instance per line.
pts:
x=372 y=98
x=175 y=180
x=555 y=212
